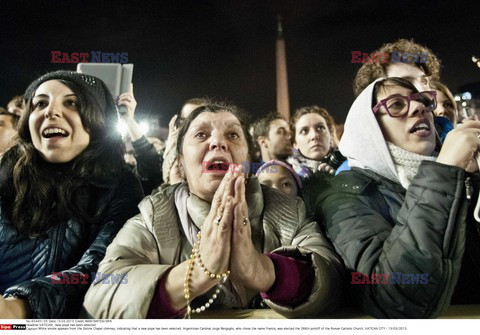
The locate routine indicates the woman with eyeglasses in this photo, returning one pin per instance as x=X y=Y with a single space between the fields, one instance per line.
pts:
x=398 y=218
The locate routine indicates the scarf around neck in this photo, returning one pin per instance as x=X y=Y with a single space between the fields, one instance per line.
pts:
x=406 y=163
x=302 y=165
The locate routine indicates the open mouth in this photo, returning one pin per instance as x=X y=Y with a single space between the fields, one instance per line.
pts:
x=54 y=133
x=215 y=165
x=421 y=127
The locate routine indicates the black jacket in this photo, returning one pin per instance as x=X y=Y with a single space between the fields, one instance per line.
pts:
x=149 y=164
x=379 y=228
x=69 y=247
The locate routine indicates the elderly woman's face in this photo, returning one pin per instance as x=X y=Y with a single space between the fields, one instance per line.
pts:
x=312 y=136
x=212 y=138
x=55 y=125
x=415 y=131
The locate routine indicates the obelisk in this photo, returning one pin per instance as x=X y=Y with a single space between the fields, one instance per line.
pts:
x=283 y=105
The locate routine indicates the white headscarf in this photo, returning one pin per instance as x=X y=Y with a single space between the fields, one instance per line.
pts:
x=362 y=140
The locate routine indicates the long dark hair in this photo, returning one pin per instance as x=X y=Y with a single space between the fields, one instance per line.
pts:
x=36 y=194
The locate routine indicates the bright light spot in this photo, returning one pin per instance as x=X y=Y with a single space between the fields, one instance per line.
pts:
x=464 y=104
x=122 y=128
x=467 y=96
x=457 y=98
x=144 y=127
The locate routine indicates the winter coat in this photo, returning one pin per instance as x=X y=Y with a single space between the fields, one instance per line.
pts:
x=403 y=248
x=149 y=164
x=379 y=228
x=70 y=249
x=151 y=243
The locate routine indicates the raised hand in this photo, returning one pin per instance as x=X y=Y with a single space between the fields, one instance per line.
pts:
x=327 y=168
x=217 y=229
x=128 y=100
x=461 y=145
x=248 y=267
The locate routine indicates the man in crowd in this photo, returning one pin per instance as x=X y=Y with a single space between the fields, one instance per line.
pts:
x=406 y=59
x=16 y=105
x=273 y=137
x=8 y=124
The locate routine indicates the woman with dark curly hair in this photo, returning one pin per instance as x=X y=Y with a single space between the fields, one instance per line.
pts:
x=64 y=194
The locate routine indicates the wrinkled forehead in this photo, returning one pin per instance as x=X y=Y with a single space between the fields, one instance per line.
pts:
x=219 y=120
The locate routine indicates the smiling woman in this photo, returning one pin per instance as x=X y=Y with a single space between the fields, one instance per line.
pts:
x=55 y=123
x=65 y=192
x=219 y=240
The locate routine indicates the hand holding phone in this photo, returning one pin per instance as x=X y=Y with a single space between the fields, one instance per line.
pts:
x=126 y=104
x=125 y=86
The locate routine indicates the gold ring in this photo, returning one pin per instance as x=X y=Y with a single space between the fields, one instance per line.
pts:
x=245 y=221
x=217 y=220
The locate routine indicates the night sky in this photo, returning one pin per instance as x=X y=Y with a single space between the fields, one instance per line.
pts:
x=226 y=49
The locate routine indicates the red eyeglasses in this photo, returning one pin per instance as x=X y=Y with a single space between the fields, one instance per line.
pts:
x=398 y=105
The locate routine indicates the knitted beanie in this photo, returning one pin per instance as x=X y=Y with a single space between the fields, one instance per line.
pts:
x=285 y=165
x=87 y=83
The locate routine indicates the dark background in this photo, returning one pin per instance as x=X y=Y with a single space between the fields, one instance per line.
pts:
x=226 y=49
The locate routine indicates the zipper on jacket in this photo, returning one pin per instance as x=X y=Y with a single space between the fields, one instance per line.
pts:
x=468 y=188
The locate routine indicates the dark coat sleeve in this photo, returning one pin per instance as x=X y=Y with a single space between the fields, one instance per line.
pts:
x=424 y=236
x=149 y=164
x=53 y=300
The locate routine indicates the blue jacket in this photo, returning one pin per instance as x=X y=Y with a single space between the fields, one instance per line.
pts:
x=70 y=247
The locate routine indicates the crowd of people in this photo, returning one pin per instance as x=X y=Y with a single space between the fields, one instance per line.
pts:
x=300 y=216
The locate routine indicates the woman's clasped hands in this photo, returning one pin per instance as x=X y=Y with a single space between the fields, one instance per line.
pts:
x=226 y=237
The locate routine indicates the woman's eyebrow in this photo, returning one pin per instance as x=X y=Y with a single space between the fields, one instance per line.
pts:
x=201 y=125
x=46 y=96
x=234 y=125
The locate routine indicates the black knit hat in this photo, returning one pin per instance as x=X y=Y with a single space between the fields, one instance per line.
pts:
x=90 y=84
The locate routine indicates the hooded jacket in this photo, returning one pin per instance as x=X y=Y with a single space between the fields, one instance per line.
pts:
x=403 y=248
